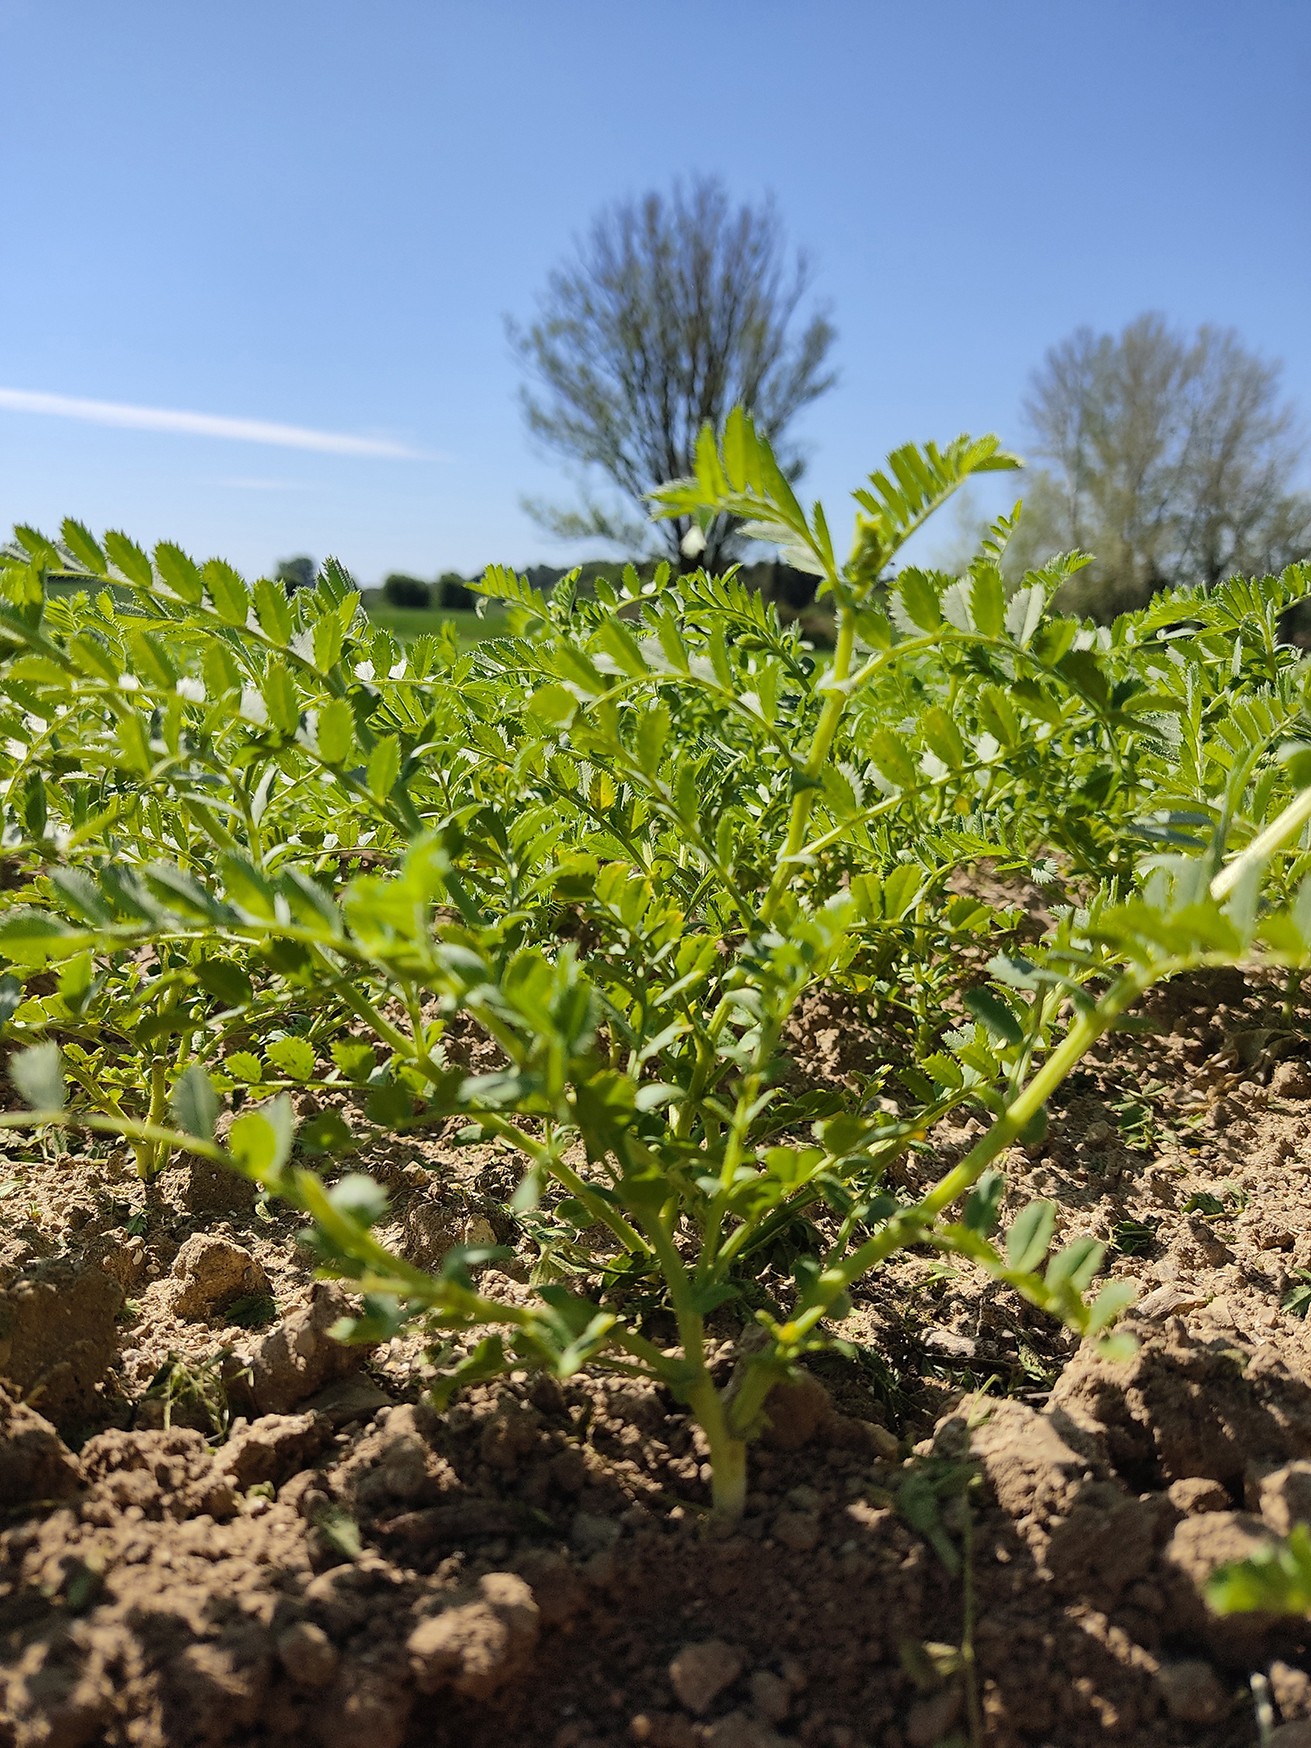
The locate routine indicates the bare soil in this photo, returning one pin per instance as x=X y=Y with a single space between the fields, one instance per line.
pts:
x=218 y=1527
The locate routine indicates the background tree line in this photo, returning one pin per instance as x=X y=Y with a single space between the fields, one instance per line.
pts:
x=790 y=589
x=1173 y=458
x=449 y=592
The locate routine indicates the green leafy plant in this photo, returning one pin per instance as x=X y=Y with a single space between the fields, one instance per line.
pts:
x=194 y=1390
x=1275 y=1580
x=266 y=859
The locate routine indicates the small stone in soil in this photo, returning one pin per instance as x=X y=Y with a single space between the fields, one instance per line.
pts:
x=700 y=1672
x=798 y=1530
x=929 y=1720
x=308 y=1655
x=213 y=1189
x=1291 y=1080
x=1294 y=1735
x=1168 y=1301
x=297 y=1357
x=741 y=1730
x=661 y=1730
x=796 y=1409
x=273 y=1448
x=1291 y=1688
x=34 y=1461
x=590 y=1534
x=1197 y=1493
x=509 y=1436
x=476 y=1646
x=350 y=1399
x=58 y=1336
x=770 y=1696
x=1192 y=1692
x=1286 y=1496
x=210 y=1272
x=952 y=1345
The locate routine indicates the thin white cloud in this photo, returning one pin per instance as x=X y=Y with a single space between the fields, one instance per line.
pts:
x=18 y=400
x=247 y=484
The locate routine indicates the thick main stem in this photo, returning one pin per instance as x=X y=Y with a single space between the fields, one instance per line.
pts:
x=727 y=1451
x=150 y=1155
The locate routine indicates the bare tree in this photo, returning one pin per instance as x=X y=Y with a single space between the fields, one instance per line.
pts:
x=672 y=311
x=1172 y=460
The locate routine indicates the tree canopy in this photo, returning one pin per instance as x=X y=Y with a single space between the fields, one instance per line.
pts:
x=1172 y=457
x=297 y=573
x=672 y=310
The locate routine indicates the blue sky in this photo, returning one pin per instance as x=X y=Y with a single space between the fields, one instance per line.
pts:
x=315 y=215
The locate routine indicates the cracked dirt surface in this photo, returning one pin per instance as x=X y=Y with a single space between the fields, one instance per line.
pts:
x=220 y=1528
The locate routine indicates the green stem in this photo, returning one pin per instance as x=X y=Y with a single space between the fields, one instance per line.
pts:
x=727 y=1451
x=363 y=1009
x=1287 y=825
x=125 y=1128
x=759 y=1377
x=728 y=1454
x=969 y=1604
x=703 y=1067
x=835 y=702
x=152 y=1155
x=651 y=1356
x=909 y=1227
x=568 y=1179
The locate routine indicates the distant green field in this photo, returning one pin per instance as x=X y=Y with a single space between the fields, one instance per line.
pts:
x=403 y=622
x=65 y=586
x=408 y=622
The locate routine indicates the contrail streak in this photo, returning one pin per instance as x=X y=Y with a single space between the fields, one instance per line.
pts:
x=18 y=400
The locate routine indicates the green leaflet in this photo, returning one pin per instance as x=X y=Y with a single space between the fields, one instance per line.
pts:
x=38 y=1077
x=336 y=732
x=195 y=1104
x=384 y=766
x=273 y=610
x=1030 y=1236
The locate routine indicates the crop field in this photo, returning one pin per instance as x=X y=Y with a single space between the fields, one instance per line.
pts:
x=628 y=1180
x=407 y=623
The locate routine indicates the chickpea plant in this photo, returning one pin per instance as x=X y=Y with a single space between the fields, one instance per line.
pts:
x=260 y=854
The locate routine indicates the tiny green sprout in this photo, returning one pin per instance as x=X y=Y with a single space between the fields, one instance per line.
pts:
x=340 y=1531
x=1275 y=1580
x=194 y=1389
x=252 y=1311
x=1297 y=1299
x=85 y=1582
x=1133 y=1237
x=1204 y=1203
